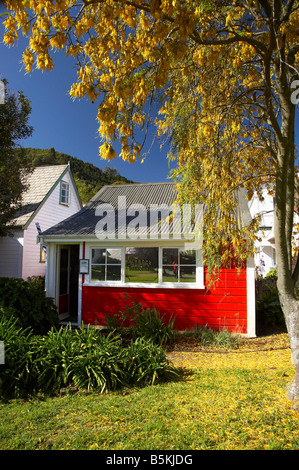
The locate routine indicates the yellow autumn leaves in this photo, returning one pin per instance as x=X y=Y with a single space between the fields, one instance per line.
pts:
x=113 y=42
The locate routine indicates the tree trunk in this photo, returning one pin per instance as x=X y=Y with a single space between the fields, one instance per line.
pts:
x=283 y=227
x=290 y=308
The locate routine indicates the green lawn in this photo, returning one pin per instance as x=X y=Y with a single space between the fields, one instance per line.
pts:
x=227 y=400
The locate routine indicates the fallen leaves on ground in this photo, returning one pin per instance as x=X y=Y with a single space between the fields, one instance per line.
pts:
x=252 y=353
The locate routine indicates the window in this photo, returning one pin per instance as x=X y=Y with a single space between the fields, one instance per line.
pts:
x=141 y=265
x=152 y=266
x=178 y=265
x=64 y=193
x=106 y=264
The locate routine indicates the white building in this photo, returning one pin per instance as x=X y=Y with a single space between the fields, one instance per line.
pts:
x=51 y=197
x=265 y=256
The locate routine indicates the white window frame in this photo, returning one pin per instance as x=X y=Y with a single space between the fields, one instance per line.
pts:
x=68 y=193
x=105 y=264
x=179 y=264
x=199 y=284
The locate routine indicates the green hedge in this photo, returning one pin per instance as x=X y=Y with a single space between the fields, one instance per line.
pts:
x=27 y=301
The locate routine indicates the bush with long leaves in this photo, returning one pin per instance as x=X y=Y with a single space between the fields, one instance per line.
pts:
x=146 y=363
x=57 y=354
x=143 y=322
x=18 y=374
x=85 y=358
x=99 y=364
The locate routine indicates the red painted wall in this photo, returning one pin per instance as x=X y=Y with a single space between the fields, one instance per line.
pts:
x=222 y=306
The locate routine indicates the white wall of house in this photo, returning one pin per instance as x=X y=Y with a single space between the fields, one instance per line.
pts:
x=11 y=253
x=265 y=256
x=51 y=213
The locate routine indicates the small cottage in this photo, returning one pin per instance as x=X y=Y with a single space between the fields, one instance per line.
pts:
x=131 y=239
x=51 y=197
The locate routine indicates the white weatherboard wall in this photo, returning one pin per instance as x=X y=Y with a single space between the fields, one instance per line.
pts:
x=51 y=213
x=265 y=256
x=11 y=251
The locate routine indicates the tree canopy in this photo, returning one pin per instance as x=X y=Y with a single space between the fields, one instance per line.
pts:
x=14 y=116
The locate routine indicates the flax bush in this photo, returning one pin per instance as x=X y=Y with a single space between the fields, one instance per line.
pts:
x=209 y=337
x=18 y=375
x=146 y=363
x=57 y=353
x=84 y=358
x=99 y=363
x=143 y=322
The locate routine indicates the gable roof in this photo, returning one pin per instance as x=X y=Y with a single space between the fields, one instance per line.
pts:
x=41 y=182
x=83 y=223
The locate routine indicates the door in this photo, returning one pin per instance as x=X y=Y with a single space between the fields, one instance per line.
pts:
x=68 y=270
x=64 y=282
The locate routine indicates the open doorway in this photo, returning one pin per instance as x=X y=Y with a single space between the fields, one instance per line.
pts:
x=68 y=270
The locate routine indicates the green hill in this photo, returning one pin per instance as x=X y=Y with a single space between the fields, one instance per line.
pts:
x=89 y=179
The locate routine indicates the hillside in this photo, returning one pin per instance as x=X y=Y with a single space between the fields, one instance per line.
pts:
x=89 y=179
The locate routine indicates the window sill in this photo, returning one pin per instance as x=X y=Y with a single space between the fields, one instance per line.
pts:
x=134 y=285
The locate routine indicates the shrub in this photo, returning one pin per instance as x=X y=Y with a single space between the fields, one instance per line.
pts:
x=146 y=363
x=99 y=364
x=147 y=323
x=272 y=274
x=28 y=302
x=18 y=374
x=209 y=337
x=57 y=354
x=268 y=306
x=151 y=325
x=84 y=358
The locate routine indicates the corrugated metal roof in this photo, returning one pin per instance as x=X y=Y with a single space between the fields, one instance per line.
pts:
x=139 y=193
x=83 y=223
x=40 y=183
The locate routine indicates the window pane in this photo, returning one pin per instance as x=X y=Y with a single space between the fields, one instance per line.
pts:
x=170 y=274
x=178 y=265
x=188 y=257
x=187 y=274
x=98 y=256
x=106 y=264
x=104 y=255
x=98 y=273
x=113 y=273
x=170 y=256
x=64 y=193
x=113 y=256
x=142 y=265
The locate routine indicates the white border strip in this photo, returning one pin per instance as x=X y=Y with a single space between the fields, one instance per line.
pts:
x=251 y=316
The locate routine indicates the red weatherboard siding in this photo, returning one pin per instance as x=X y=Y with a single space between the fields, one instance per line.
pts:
x=222 y=306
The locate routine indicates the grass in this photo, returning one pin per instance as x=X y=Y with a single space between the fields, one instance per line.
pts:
x=228 y=399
